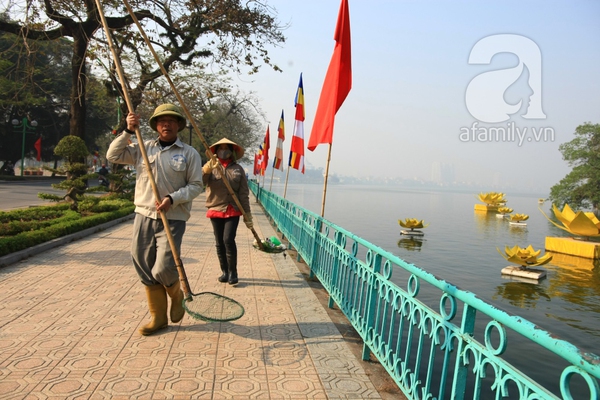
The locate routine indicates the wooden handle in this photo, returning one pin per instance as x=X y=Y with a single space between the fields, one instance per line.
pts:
x=189 y=116
x=182 y=276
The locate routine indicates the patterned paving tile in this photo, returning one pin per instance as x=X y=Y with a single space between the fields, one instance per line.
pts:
x=74 y=335
x=240 y=386
x=292 y=386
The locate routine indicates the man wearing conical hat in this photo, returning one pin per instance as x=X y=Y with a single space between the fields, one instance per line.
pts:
x=222 y=208
x=177 y=171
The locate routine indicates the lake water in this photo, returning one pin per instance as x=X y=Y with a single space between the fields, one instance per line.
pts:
x=460 y=244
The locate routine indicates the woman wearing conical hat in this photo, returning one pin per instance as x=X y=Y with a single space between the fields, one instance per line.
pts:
x=222 y=209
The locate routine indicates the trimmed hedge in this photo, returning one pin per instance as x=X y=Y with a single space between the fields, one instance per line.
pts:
x=66 y=222
x=12 y=228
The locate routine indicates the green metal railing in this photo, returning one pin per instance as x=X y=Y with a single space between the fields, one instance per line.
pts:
x=459 y=351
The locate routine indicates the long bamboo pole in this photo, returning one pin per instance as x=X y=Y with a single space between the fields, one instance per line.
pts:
x=325 y=181
x=208 y=153
x=181 y=271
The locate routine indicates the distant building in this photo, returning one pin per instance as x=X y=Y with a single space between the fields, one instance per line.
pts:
x=442 y=173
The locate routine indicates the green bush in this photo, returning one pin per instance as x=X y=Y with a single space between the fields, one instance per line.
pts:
x=21 y=229
x=12 y=228
x=34 y=213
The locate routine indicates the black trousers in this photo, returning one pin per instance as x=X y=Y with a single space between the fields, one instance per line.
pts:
x=225 y=230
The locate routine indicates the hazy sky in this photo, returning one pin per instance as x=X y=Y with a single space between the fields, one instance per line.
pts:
x=417 y=99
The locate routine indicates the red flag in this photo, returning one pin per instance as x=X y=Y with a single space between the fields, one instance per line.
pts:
x=278 y=160
x=264 y=151
x=337 y=84
x=297 y=146
x=256 y=165
x=38 y=147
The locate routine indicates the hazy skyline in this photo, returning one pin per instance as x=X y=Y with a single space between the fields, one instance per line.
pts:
x=423 y=92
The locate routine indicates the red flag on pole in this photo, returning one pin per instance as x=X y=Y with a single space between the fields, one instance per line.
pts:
x=264 y=151
x=256 y=165
x=38 y=147
x=278 y=160
x=297 y=146
x=337 y=84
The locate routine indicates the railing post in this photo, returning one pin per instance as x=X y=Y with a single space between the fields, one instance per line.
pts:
x=371 y=303
x=315 y=248
x=335 y=267
x=461 y=371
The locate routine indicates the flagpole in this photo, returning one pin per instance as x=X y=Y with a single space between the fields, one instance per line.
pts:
x=257 y=177
x=325 y=181
x=336 y=86
x=271 y=184
x=287 y=174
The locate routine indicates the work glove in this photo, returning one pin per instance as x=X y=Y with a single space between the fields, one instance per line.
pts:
x=248 y=221
x=209 y=166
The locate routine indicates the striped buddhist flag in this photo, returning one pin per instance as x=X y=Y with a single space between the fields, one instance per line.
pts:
x=278 y=161
x=297 y=147
x=264 y=152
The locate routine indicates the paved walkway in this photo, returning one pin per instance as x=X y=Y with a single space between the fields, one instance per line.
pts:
x=69 y=320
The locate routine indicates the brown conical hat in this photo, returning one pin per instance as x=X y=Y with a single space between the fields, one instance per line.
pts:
x=239 y=150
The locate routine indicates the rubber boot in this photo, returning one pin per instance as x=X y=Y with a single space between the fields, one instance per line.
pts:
x=157 y=304
x=232 y=262
x=176 y=311
x=223 y=263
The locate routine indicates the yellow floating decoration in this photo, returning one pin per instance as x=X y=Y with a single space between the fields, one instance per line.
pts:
x=492 y=198
x=492 y=201
x=525 y=258
x=517 y=219
x=582 y=225
x=412 y=224
x=503 y=212
x=578 y=223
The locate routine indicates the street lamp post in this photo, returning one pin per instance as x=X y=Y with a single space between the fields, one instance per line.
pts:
x=24 y=125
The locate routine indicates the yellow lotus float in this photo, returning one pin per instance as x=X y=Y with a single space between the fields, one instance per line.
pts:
x=503 y=212
x=491 y=200
x=578 y=223
x=582 y=225
x=525 y=257
x=517 y=219
x=412 y=224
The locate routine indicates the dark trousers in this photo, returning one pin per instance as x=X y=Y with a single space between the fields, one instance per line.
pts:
x=225 y=230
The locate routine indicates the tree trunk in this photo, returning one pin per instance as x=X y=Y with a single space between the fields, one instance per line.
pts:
x=78 y=91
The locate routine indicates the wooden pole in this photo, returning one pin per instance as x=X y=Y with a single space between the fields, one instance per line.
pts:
x=271 y=184
x=209 y=153
x=182 y=276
